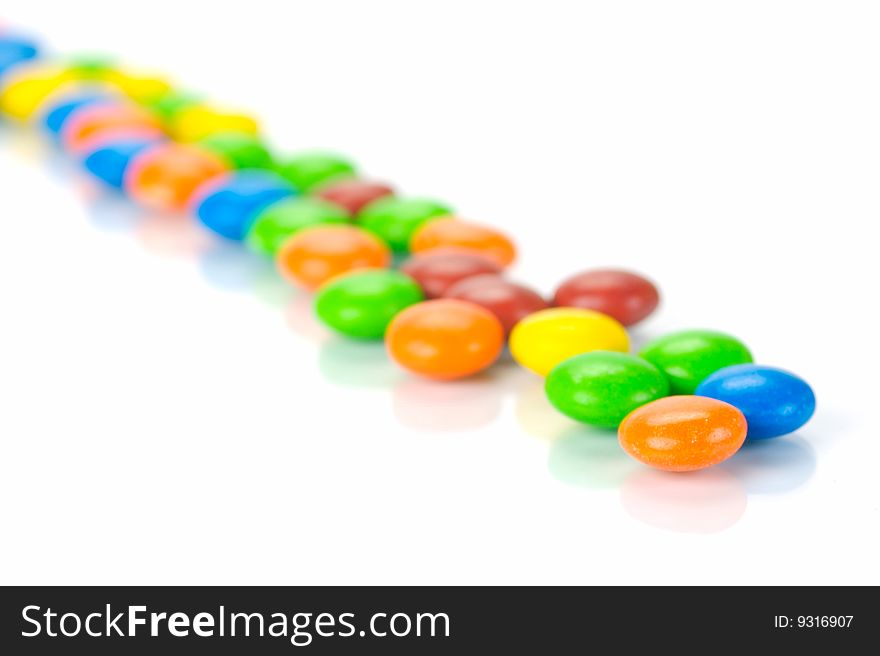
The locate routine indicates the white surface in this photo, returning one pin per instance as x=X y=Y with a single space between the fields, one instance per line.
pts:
x=172 y=414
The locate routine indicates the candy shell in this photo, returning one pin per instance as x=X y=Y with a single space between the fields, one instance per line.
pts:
x=437 y=271
x=57 y=113
x=28 y=85
x=15 y=50
x=305 y=171
x=603 y=387
x=91 y=121
x=195 y=122
x=626 y=296
x=455 y=233
x=544 y=339
x=774 y=401
x=509 y=301
x=394 y=220
x=683 y=433
x=687 y=357
x=280 y=221
x=361 y=304
x=353 y=194
x=240 y=150
x=166 y=176
x=108 y=157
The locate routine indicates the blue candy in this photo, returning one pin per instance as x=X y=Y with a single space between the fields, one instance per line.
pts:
x=14 y=50
x=775 y=402
x=109 y=161
x=228 y=207
x=57 y=114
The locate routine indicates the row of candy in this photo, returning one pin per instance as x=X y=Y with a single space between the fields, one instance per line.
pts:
x=446 y=311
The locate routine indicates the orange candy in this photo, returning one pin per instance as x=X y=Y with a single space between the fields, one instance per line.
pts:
x=683 y=433
x=90 y=122
x=314 y=255
x=166 y=176
x=451 y=232
x=445 y=339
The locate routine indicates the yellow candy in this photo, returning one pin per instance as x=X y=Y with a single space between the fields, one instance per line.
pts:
x=544 y=339
x=139 y=87
x=28 y=88
x=200 y=121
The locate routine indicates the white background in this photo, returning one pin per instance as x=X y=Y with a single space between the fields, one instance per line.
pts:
x=172 y=414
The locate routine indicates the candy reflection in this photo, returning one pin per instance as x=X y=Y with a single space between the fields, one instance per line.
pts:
x=447 y=406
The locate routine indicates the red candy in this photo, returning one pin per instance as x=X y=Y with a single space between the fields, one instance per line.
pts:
x=626 y=296
x=508 y=301
x=437 y=271
x=352 y=195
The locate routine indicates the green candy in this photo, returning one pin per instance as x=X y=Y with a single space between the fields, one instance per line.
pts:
x=241 y=151
x=306 y=171
x=687 y=357
x=90 y=67
x=603 y=387
x=395 y=220
x=363 y=303
x=275 y=224
x=171 y=103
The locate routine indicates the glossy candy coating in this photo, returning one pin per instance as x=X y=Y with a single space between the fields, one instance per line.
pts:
x=228 y=205
x=353 y=194
x=445 y=339
x=241 y=151
x=108 y=158
x=166 y=176
x=774 y=402
x=305 y=171
x=437 y=271
x=27 y=86
x=195 y=122
x=455 y=233
x=603 y=387
x=683 y=433
x=544 y=339
x=57 y=113
x=315 y=255
x=15 y=50
x=626 y=296
x=362 y=303
x=508 y=301
x=687 y=357
x=394 y=220
x=279 y=221
x=89 y=122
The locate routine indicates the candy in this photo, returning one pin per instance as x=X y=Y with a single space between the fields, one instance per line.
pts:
x=195 y=122
x=363 y=303
x=437 y=271
x=140 y=87
x=445 y=339
x=240 y=150
x=544 y=339
x=228 y=205
x=15 y=50
x=394 y=220
x=508 y=301
x=27 y=86
x=57 y=114
x=90 y=121
x=774 y=402
x=603 y=387
x=314 y=255
x=688 y=356
x=107 y=158
x=279 y=221
x=170 y=104
x=683 y=433
x=353 y=194
x=626 y=296
x=307 y=170
x=445 y=233
x=166 y=176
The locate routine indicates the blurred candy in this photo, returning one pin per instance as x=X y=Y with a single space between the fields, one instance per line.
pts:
x=307 y=170
x=140 y=87
x=90 y=67
x=603 y=387
x=683 y=433
x=57 y=113
x=169 y=104
x=227 y=205
x=774 y=402
x=315 y=255
x=27 y=86
x=15 y=50
x=394 y=220
x=508 y=301
x=437 y=271
x=90 y=121
x=198 y=121
x=108 y=157
x=687 y=357
x=353 y=194
x=240 y=150
x=544 y=339
x=451 y=232
x=626 y=296
x=279 y=221
x=363 y=303
x=445 y=339
x=166 y=176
